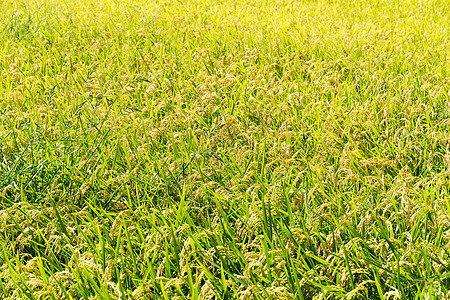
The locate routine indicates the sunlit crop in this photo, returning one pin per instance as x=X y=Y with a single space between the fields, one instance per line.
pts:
x=205 y=149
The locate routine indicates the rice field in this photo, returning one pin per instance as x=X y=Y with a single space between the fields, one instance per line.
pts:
x=218 y=149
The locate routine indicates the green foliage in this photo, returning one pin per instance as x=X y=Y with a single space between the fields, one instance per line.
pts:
x=208 y=149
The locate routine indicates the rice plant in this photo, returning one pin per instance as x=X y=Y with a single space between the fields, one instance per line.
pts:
x=244 y=149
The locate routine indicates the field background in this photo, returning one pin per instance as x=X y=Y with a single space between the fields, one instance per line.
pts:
x=224 y=149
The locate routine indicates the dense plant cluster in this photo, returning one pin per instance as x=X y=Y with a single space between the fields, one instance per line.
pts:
x=207 y=149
